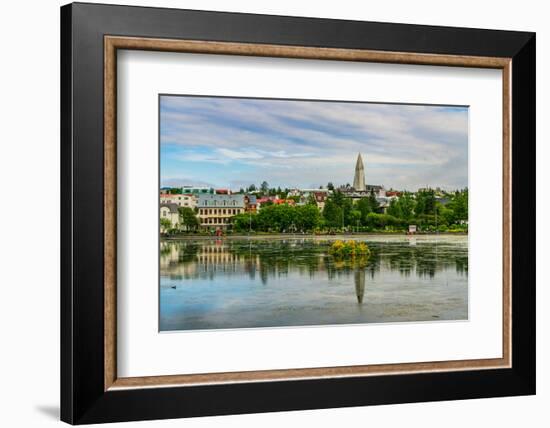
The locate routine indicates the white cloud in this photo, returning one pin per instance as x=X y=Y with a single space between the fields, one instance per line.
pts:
x=313 y=139
x=239 y=154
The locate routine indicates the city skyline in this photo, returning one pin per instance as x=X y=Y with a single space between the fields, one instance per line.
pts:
x=236 y=142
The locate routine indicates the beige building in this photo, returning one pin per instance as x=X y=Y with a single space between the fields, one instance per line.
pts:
x=170 y=212
x=186 y=200
x=216 y=211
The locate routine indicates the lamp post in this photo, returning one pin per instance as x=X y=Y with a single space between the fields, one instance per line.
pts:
x=436 y=229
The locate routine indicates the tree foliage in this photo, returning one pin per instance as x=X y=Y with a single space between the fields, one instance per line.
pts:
x=402 y=207
x=425 y=202
x=165 y=225
x=333 y=214
x=459 y=205
x=374 y=205
x=188 y=218
x=279 y=218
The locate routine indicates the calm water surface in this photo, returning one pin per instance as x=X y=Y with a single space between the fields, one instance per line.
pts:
x=209 y=283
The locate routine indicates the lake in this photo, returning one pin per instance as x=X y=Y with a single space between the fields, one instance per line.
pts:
x=210 y=283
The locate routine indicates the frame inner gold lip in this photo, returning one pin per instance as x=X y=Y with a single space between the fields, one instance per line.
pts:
x=113 y=43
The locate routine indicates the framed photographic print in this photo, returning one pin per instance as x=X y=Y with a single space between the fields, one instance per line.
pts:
x=265 y=213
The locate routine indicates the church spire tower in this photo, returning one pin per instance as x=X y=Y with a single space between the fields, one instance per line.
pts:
x=359 y=179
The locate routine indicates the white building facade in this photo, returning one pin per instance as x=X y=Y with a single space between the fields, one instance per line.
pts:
x=216 y=211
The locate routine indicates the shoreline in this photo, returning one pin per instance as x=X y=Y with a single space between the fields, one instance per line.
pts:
x=312 y=236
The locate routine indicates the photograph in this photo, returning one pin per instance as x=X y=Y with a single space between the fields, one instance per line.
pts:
x=261 y=212
x=282 y=213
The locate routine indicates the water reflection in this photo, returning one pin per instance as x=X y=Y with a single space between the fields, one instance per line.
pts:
x=213 y=283
x=275 y=258
x=360 y=284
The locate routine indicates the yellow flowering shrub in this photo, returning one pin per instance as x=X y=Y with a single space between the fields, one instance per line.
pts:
x=349 y=249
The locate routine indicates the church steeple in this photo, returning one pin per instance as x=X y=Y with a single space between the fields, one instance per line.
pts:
x=359 y=178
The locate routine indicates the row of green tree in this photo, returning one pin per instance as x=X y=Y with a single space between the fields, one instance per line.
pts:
x=341 y=213
x=279 y=218
x=425 y=207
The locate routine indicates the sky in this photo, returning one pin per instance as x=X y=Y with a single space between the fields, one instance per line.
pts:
x=235 y=142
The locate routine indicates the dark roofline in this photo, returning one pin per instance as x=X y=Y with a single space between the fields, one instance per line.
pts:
x=172 y=207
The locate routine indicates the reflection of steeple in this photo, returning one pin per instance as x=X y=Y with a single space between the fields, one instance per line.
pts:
x=359 y=178
x=360 y=284
x=264 y=260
